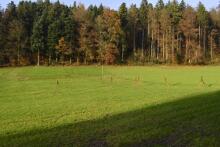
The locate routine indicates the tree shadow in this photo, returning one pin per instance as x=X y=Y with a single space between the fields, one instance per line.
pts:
x=191 y=121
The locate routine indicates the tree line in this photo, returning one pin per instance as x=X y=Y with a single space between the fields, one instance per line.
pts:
x=46 y=33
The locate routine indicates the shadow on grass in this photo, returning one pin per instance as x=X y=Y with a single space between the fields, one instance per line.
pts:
x=192 y=121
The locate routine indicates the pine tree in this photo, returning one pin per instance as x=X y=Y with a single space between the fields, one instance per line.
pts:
x=214 y=32
x=133 y=20
x=159 y=8
x=10 y=12
x=2 y=40
x=182 y=5
x=38 y=38
x=16 y=39
x=160 y=5
x=144 y=23
x=100 y=9
x=175 y=16
x=54 y=35
x=123 y=15
x=202 y=19
x=71 y=35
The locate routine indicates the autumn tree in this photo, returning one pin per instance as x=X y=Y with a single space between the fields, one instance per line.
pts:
x=88 y=43
x=62 y=49
x=171 y=32
x=188 y=27
x=87 y=33
x=109 y=33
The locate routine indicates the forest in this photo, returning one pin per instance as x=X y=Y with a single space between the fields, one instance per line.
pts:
x=46 y=33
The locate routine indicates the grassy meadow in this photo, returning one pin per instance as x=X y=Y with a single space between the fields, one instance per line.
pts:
x=128 y=106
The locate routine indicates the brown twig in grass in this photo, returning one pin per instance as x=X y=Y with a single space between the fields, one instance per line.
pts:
x=166 y=81
x=202 y=82
x=137 y=80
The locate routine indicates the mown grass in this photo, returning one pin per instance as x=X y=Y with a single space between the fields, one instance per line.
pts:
x=129 y=106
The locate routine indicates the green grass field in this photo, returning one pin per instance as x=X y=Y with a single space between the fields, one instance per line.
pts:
x=129 y=106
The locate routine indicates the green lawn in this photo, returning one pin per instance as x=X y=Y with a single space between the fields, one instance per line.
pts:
x=129 y=106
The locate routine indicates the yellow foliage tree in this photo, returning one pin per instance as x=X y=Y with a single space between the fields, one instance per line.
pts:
x=62 y=49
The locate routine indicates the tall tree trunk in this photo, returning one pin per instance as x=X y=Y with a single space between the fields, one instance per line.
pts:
x=122 y=54
x=18 y=56
x=152 y=41
x=173 y=56
x=200 y=38
x=163 y=46
x=85 y=59
x=70 y=60
x=38 y=57
x=61 y=59
x=177 y=42
x=148 y=38
x=134 y=41
x=49 y=59
x=167 y=53
x=148 y=28
x=143 y=43
x=187 y=49
x=77 y=59
x=158 y=44
x=211 y=49
x=204 y=42
x=56 y=59
x=180 y=44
